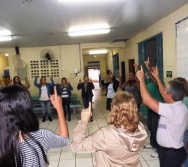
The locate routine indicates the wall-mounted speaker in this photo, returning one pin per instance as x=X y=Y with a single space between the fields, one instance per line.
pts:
x=17 y=50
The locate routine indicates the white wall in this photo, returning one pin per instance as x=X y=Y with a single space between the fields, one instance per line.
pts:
x=68 y=55
x=167 y=27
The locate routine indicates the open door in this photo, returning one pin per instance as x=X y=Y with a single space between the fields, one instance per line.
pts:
x=131 y=65
x=123 y=71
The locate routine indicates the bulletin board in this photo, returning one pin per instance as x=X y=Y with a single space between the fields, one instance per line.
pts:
x=182 y=48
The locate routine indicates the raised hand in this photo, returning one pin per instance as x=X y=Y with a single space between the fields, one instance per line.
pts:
x=90 y=80
x=86 y=114
x=56 y=100
x=147 y=63
x=155 y=72
x=136 y=66
x=26 y=79
x=140 y=74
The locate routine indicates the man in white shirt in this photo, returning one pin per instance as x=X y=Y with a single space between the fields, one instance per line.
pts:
x=172 y=122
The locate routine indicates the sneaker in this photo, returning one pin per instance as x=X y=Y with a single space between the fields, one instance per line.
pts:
x=155 y=155
x=148 y=146
x=50 y=119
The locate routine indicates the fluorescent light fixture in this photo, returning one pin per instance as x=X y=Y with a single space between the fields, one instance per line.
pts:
x=5 y=38
x=90 y=1
x=98 y=52
x=89 y=30
x=5 y=32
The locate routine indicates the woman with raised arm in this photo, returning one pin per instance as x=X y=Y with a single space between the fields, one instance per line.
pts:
x=66 y=89
x=16 y=81
x=44 y=96
x=117 y=144
x=23 y=144
x=112 y=87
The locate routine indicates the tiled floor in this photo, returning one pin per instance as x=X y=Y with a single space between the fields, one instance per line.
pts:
x=65 y=157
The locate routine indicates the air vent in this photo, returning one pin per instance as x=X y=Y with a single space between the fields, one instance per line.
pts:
x=119 y=40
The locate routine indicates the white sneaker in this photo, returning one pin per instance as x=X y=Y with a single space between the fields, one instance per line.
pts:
x=155 y=155
x=148 y=146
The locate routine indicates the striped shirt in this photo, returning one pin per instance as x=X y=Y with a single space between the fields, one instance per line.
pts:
x=64 y=93
x=48 y=140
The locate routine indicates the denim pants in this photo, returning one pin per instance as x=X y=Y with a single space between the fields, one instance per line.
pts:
x=46 y=108
x=185 y=164
x=66 y=106
x=86 y=100
x=172 y=158
x=152 y=124
x=108 y=104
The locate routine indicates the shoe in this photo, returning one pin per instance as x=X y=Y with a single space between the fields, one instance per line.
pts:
x=148 y=146
x=50 y=119
x=44 y=119
x=155 y=155
x=69 y=118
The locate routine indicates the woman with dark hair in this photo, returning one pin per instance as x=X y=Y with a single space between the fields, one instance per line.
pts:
x=132 y=86
x=16 y=81
x=44 y=96
x=117 y=144
x=112 y=87
x=87 y=95
x=23 y=144
x=65 y=95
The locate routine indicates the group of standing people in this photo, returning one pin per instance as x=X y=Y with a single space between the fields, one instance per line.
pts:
x=44 y=96
x=119 y=143
x=65 y=87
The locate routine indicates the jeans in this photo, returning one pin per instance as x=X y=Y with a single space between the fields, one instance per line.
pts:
x=66 y=105
x=46 y=108
x=185 y=164
x=172 y=158
x=152 y=124
x=86 y=100
x=108 y=104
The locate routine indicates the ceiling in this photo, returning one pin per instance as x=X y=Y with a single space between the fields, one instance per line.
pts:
x=36 y=23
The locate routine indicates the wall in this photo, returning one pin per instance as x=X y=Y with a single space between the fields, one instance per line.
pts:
x=69 y=56
x=167 y=27
x=3 y=65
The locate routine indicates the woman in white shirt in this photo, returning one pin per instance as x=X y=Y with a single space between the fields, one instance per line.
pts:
x=44 y=96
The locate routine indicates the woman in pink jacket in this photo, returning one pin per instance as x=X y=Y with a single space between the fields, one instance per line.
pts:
x=117 y=144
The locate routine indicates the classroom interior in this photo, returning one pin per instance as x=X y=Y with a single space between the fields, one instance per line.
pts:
x=165 y=42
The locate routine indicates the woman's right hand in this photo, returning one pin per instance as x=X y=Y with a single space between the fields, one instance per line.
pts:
x=56 y=100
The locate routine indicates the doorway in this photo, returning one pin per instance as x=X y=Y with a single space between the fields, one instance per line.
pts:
x=94 y=73
x=131 y=65
x=123 y=71
x=152 y=48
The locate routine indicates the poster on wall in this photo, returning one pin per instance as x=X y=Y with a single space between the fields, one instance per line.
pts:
x=182 y=48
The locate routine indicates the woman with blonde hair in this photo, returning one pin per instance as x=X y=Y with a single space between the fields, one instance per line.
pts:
x=117 y=144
